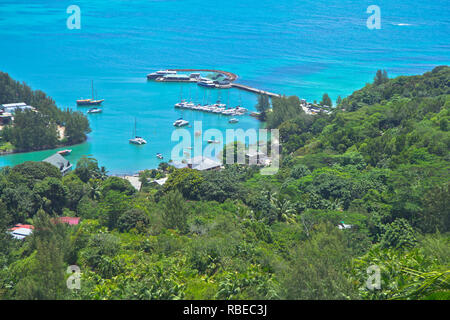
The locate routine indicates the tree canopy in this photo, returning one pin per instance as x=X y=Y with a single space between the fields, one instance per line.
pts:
x=362 y=187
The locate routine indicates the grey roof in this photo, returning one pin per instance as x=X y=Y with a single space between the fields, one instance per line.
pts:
x=198 y=163
x=178 y=165
x=58 y=161
x=203 y=163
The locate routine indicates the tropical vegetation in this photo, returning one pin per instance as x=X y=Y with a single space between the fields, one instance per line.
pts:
x=362 y=194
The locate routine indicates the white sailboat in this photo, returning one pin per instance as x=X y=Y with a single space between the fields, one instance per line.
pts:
x=136 y=139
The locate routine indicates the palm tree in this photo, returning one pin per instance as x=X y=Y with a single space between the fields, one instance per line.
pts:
x=94 y=189
x=102 y=174
x=284 y=208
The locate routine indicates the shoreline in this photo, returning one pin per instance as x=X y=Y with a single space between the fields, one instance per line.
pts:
x=5 y=153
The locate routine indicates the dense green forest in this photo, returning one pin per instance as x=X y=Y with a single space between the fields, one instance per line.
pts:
x=38 y=130
x=364 y=187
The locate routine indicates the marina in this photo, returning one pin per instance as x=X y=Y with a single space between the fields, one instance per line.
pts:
x=217 y=108
x=224 y=79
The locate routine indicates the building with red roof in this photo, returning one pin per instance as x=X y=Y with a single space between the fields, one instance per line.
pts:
x=73 y=221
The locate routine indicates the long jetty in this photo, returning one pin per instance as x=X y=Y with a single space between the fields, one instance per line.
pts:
x=254 y=90
x=231 y=78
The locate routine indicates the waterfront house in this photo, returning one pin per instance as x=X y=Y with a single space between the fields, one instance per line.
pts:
x=201 y=163
x=13 y=107
x=60 y=162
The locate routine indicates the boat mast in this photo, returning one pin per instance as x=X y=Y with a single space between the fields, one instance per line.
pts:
x=92 y=85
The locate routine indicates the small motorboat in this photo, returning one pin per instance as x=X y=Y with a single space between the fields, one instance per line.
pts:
x=233 y=120
x=65 y=152
x=213 y=141
x=95 y=110
x=180 y=123
x=159 y=156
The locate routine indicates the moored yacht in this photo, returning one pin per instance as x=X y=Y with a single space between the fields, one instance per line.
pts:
x=137 y=140
x=180 y=123
x=90 y=102
x=206 y=83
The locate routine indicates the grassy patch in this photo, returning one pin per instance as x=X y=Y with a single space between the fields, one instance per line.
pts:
x=6 y=146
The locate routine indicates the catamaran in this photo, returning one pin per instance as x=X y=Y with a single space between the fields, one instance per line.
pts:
x=136 y=139
x=90 y=102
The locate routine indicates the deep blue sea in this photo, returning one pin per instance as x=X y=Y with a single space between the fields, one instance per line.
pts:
x=302 y=48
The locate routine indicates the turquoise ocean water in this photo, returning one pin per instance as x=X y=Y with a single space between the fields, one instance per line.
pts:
x=302 y=48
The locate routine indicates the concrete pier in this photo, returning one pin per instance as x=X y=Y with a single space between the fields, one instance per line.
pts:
x=254 y=90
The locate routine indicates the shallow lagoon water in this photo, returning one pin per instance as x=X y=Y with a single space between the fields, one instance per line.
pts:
x=289 y=47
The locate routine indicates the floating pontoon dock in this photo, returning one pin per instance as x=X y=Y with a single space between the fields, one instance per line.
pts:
x=230 y=78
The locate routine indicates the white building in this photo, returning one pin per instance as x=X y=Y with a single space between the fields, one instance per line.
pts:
x=13 y=107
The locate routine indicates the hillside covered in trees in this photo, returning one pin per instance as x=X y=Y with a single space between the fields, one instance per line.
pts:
x=365 y=186
x=31 y=130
